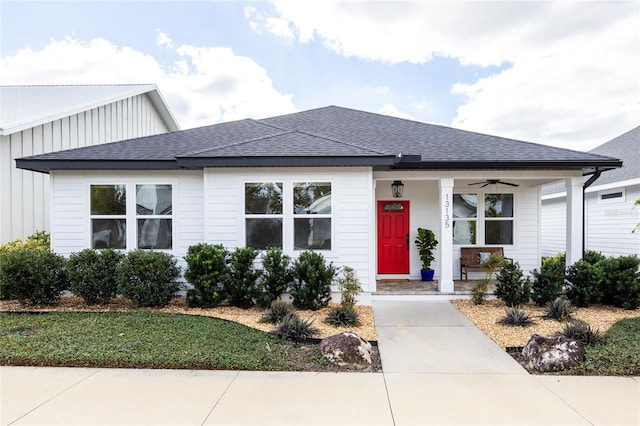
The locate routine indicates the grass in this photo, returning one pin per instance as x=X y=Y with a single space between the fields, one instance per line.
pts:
x=618 y=356
x=146 y=340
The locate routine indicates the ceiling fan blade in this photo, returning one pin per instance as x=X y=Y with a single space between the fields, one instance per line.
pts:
x=486 y=184
x=478 y=183
x=509 y=183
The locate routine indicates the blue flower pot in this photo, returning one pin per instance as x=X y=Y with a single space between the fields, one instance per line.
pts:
x=427 y=274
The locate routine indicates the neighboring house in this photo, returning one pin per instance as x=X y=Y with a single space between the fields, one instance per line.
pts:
x=319 y=179
x=41 y=119
x=610 y=214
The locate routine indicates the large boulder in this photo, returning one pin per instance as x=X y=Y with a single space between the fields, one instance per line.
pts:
x=346 y=348
x=546 y=354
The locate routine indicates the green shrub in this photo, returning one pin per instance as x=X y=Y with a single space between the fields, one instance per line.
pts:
x=207 y=271
x=516 y=316
x=277 y=311
x=581 y=331
x=548 y=283
x=620 y=283
x=511 y=286
x=583 y=280
x=276 y=278
x=93 y=274
x=342 y=316
x=559 y=309
x=311 y=286
x=292 y=327
x=149 y=278
x=592 y=257
x=349 y=286
x=479 y=291
x=33 y=276
x=241 y=283
x=38 y=241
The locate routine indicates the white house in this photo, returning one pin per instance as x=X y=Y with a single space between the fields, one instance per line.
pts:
x=40 y=119
x=610 y=214
x=319 y=179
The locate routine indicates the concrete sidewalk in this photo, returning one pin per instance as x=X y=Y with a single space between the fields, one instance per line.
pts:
x=439 y=369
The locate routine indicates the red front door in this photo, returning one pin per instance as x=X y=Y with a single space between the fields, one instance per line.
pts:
x=393 y=237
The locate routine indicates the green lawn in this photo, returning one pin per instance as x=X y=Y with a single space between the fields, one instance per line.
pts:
x=146 y=340
x=618 y=356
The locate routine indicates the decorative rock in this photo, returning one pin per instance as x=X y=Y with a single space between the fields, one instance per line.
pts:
x=546 y=354
x=346 y=348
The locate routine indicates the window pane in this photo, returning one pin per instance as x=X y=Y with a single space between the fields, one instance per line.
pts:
x=312 y=233
x=498 y=205
x=153 y=199
x=465 y=205
x=312 y=198
x=264 y=233
x=154 y=233
x=464 y=232
x=109 y=233
x=108 y=200
x=498 y=232
x=263 y=198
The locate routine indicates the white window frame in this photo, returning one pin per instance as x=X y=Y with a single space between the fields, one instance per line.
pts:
x=295 y=216
x=263 y=216
x=481 y=219
x=131 y=216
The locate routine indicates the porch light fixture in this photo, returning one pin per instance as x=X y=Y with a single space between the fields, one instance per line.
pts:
x=397 y=187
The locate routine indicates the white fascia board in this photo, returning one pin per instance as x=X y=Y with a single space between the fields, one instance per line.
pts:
x=612 y=185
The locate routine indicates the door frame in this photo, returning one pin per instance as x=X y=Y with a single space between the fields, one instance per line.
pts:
x=407 y=209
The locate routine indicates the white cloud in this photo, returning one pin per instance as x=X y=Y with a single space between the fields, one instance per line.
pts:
x=392 y=110
x=163 y=39
x=571 y=67
x=206 y=85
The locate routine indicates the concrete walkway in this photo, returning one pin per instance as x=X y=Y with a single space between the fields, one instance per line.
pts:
x=439 y=369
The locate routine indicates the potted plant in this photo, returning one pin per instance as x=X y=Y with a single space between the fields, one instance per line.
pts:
x=426 y=243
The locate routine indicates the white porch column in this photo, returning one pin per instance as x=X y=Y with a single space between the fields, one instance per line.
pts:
x=575 y=219
x=445 y=283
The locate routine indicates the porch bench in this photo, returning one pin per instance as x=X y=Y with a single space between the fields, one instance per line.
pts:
x=470 y=258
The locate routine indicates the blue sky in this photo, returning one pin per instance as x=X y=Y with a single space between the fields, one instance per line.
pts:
x=559 y=73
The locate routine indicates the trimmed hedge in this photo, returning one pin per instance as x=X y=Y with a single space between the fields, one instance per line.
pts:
x=93 y=274
x=149 y=278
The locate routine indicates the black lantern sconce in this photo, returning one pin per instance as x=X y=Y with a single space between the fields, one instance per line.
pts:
x=397 y=187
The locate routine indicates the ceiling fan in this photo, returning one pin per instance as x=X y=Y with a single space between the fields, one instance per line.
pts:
x=493 y=182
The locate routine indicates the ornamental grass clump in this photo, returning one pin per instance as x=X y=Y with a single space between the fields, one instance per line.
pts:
x=344 y=315
x=276 y=312
x=559 y=309
x=517 y=317
x=294 y=328
x=581 y=331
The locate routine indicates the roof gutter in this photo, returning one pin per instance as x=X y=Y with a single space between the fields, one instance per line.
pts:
x=594 y=177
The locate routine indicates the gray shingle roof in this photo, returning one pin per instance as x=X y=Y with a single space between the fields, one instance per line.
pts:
x=339 y=136
x=626 y=147
x=22 y=107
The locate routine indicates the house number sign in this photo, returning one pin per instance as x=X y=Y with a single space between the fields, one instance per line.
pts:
x=446 y=211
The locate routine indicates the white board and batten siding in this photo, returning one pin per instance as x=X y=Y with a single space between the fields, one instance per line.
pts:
x=70 y=218
x=351 y=210
x=24 y=195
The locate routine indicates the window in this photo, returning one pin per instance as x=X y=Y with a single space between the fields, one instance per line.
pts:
x=465 y=214
x=312 y=215
x=153 y=216
x=495 y=220
x=152 y=223
x=263 y=214
x=498 y=223
x=108 y=216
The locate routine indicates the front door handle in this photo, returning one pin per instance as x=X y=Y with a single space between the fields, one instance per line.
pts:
x=407 y=241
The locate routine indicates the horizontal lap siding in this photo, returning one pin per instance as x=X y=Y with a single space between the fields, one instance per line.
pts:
x=351 y=216
x=553 y=226
x=610 y=225
x=24 y=195
x=70 y=209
